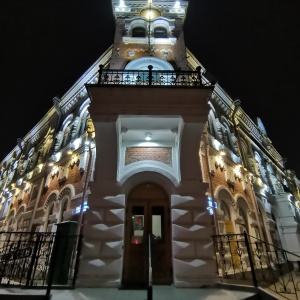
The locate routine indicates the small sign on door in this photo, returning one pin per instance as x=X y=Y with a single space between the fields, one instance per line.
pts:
x=138 y=222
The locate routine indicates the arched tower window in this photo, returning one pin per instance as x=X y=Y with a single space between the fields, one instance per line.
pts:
x=138 y=31
x=160 y=33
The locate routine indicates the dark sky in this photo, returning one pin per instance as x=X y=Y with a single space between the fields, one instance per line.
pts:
x=251 y=47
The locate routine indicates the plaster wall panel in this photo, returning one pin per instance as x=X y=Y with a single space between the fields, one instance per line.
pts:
x=111 y=215
x=205 y=248
x=108 y=249
x=188 y=202
x=193 y=252
x=186 y=272
x=104 y=232
x=98 y=199
x=91 y=249
x=190 y=232
x=112 y=249
x=100 y=272
x=181 y=216
x=95 y=216
x=191 y=249
x=101 y=259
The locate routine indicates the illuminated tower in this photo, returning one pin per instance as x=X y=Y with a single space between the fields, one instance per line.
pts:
x=149 y=109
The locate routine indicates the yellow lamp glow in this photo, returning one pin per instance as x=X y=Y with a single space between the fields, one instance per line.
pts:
x=150 y=13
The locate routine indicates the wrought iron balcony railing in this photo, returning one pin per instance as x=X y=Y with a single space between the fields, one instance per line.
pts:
x=152 y=77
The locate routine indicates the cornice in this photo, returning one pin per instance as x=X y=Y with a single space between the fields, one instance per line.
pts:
x=133 y=8
x=193 y=61
x=226 y=106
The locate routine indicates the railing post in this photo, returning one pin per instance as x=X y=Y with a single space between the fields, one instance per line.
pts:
x=53 y=262
x=7 y=255
x=150 y=289
x=100 y=73
x=78 y=252
x=149 y=292
x=33 y=259
x=150 y=74
x=250 y=259
x=198 y=69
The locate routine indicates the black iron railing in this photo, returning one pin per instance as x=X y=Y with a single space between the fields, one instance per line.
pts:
x=242 y=258
x=30 y=259
x=152 y=77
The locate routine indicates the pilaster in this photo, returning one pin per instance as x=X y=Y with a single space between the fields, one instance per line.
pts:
x=288 y=228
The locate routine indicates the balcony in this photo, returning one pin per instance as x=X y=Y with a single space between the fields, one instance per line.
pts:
x=152 y=77
x=149 y=92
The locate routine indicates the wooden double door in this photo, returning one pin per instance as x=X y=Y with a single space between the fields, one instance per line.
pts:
x=147 y=237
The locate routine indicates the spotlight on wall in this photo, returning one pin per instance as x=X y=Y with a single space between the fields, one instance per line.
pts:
x=222 y=151
x=148 y=136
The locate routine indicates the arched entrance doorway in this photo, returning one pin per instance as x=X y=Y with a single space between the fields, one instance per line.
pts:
x=147 y=231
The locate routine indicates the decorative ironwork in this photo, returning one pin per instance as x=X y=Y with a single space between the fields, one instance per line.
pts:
x=242 y=257
x=26 y=258
x=153 y=77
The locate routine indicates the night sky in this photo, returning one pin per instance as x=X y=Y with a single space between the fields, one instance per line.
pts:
x=251 y=48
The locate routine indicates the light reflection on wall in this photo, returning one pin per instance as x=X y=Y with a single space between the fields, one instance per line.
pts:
x=85 y=207
x=211 y=206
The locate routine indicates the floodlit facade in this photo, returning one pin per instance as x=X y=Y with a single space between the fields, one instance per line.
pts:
x=144 y=148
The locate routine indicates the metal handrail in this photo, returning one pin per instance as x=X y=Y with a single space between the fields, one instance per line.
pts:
x=259 y=240
x=247 y=258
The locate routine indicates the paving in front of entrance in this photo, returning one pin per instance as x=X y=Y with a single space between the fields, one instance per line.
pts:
x=159 y=293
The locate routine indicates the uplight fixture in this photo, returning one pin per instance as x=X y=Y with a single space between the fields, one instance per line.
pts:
x=222 y=153
x=148 y=136
x=222 y=150
x=177 y=4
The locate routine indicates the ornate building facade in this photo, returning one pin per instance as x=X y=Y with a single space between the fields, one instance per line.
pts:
x=147 y=147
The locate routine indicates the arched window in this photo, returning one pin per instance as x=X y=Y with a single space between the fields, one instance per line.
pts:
x=49 y=212
x=224 y=208
x=11 y=224
x=67 y=135
x=63 y=209
x=160 y=33
x=20 y=224
x=84 y=124
x=138 y=32
x=243 y=225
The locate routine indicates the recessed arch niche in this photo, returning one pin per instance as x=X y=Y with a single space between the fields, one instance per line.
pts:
x=142 y=63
